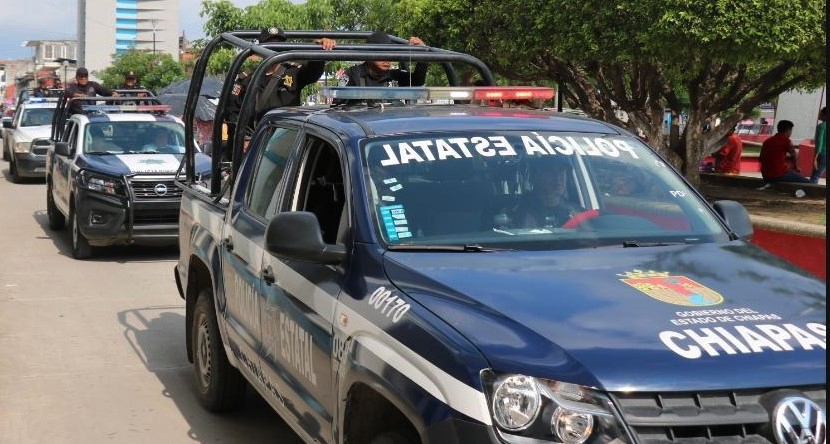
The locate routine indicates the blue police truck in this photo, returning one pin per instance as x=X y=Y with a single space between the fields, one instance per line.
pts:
x=415 y=265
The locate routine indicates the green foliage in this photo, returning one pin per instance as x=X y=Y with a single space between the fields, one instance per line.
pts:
x=154 y=71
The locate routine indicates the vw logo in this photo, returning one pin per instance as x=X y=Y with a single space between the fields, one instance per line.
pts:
x=798 y=420
x=160 y=189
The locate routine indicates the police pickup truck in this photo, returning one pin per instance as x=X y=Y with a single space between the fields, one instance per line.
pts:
x=26 y=137
x=110 y=172
x=400 y=270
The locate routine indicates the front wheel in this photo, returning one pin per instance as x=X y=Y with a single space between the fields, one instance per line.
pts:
x=80 y=246
x=219 y=386
x=394 y=438
x=13 y=170
x=56 y=219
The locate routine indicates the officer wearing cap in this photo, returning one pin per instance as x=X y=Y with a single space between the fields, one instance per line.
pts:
x=380 y=73
x=284 y=82
x=130 y=83
x=83 y=87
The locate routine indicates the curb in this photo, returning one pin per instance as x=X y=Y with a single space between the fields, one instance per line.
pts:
x=788 y=226
x=811 y=190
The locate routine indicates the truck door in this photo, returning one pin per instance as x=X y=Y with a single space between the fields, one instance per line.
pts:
x=63 y=165
x=300 y=297
x=243 y=243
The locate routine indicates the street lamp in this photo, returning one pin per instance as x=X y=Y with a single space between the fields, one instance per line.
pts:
x=65 y=78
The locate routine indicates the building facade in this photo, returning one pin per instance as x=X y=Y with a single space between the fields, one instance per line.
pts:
x=107 y=28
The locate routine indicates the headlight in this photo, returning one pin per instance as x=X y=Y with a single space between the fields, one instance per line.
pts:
x=527 y=409
x=100 y=183
x=22 y=147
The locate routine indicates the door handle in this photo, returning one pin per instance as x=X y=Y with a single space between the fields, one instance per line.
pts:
x=228 y=243
x=268 y=275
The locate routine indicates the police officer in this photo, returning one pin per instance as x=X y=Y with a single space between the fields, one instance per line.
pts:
x=284 y=82
x=42 y=90
x=380 y=73
x=131 y=83
x=83 y=87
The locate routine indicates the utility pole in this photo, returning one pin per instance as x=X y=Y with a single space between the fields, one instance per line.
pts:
x=154 y=22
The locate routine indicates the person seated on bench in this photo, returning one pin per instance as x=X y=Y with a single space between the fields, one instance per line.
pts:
x=779 y=159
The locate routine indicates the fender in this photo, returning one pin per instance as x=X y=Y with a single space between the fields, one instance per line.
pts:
x=406 y=380
x=205 y=250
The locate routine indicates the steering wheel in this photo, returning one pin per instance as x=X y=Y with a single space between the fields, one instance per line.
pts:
x=578 y=218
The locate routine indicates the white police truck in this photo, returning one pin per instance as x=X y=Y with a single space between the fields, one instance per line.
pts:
x=110 y=173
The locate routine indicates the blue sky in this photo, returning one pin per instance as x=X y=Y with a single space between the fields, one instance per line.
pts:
x=57 y=20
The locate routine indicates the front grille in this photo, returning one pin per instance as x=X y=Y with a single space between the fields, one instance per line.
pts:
x=155 y=217
x=735 y=417
x=146 y=189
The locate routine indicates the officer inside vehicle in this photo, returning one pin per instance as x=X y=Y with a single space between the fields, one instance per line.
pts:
x=99 y=143
x=545 y=204
x=161 y=144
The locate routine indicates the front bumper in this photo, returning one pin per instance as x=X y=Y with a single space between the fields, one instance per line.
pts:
x=30 y=165
x=456 y=431
x=116 y=220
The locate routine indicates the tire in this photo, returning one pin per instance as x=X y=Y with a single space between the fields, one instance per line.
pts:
x=56 y=219
x=80 y=246
x=219 y=386
x=13 y=170
x=394 y=438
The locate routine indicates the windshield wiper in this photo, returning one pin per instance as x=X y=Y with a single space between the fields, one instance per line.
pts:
x=629 y=244
x=471 y=248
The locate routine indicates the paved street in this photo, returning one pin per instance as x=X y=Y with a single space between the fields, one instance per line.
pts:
x=93 y=351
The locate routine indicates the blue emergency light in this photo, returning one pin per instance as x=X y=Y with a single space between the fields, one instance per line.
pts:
x=375 y=93
x=126 y=108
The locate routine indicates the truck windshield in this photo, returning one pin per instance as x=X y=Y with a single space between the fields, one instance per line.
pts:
x=530 y=191
x=37 y=116
x=147 y=137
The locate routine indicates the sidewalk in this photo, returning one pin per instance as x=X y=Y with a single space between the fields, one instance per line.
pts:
x=821 y=181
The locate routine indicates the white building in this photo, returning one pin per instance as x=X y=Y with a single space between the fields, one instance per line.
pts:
x=110 y=27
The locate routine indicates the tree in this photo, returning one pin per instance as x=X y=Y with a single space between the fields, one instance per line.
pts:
x=154 y=71
x=642 y=56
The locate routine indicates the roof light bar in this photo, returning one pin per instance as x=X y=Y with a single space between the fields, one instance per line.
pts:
x=41 y=99
x=126 y=108
x=513 y=93
x=375 y=93
x=438 y=93
x=451 y=92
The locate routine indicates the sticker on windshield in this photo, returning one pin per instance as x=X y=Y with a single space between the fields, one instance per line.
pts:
x=678 y=290
x=393 y=218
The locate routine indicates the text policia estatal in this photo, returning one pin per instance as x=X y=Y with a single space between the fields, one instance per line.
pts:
x=430 y=150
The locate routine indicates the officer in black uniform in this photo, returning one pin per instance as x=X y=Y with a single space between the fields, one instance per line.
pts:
x=380 y=73
x=83 y=87
x=284 y=82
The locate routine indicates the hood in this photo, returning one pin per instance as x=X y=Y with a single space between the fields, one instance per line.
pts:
x=29 y=133
x=128 y=164
x=693 y=317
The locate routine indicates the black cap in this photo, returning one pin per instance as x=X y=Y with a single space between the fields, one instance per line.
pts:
x=272 y=34
x=41 y=80
x=129 y=75
x=82 y=72
x=379 y=37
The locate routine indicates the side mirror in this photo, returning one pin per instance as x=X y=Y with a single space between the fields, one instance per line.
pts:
x=62 y=149
x=7 y=124
x=736 y=217
x=296 y=235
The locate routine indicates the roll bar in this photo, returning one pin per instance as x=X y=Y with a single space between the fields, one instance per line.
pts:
x=278 y=52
